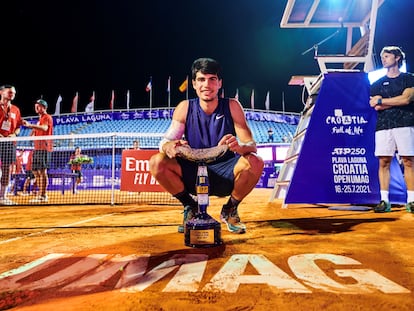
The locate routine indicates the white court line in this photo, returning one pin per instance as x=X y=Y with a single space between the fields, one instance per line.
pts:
x=63 y=226
x=30 y=265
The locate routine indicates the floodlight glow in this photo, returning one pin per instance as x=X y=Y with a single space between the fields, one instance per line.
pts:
x=266 y=153
x=376 y=74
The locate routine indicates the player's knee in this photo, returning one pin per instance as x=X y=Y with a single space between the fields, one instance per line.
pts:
x=408 y=162
x=158 y=164
x=256 y=164
x=154 y=163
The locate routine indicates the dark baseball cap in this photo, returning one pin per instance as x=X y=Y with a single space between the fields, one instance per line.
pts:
x=42 y=102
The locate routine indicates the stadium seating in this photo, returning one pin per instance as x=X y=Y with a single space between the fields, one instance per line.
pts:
x=282 y=131
x=104 y=137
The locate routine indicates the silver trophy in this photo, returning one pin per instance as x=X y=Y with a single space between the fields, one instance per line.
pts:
x=202 y=230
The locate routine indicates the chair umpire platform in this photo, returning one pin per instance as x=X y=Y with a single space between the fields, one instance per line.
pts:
x=331 y=141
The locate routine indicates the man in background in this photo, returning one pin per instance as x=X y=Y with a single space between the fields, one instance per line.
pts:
x=392 y=97
x=135 y=145
x=30 y=180
x=76 y=166
x=270 y=135
x=16 y=168
x=42 y=148
x=10 y=122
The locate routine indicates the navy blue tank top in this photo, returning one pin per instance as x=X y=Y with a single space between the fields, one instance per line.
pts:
x=205 y=131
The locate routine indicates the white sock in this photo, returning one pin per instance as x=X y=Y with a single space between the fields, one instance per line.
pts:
x=410 y=196
x=384 y=195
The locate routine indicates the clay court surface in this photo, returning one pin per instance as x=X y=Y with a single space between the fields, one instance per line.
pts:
x=130 y=257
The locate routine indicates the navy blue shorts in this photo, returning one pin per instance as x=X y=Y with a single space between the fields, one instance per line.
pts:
x=29 y=175
x=220 y=175
x=7 y=152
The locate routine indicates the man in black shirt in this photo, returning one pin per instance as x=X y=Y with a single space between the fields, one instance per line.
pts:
x=393 y=97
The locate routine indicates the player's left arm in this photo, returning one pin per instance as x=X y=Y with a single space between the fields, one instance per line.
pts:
x=405 y=98
x=382 y=103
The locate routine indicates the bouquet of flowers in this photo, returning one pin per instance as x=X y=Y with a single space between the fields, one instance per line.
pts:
x=83 y=159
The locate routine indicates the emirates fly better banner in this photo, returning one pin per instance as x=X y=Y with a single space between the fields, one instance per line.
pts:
x=135 y=174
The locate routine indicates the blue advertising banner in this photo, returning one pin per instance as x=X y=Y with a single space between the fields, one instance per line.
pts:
x=337 y=162
x=161 y=113
x=121 y=115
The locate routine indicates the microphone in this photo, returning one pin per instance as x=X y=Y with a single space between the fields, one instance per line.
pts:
x=341 y=20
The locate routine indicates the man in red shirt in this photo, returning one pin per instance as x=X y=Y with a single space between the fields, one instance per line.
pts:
x=10 y=122
x=42 y=148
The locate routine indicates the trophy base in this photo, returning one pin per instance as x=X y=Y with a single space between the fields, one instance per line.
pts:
x=202 y=231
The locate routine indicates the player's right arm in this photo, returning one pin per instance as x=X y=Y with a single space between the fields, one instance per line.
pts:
x=173 y=137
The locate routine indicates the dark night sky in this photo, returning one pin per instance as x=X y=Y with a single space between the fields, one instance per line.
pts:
x=60 y=47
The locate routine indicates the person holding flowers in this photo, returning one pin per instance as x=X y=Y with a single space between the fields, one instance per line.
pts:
x=76 y=160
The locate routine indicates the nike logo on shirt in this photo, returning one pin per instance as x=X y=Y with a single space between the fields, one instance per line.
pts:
x=219 y=117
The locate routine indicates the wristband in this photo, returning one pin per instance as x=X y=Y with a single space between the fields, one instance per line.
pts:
x=162 y=143
x=379 y=102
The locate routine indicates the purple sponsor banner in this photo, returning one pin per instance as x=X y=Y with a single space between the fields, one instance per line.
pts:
x=140 y=114
x=121 y=115
x=337 y=163
x=273 y=117
x=92 y=179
